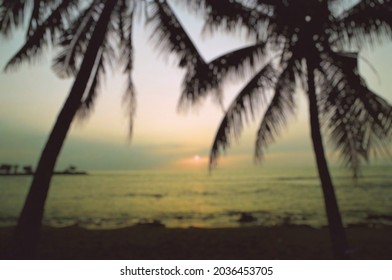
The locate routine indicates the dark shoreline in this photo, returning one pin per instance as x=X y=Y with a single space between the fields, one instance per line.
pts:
x=254 y=242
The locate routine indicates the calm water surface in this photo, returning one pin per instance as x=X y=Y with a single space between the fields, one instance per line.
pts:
x=196 y=198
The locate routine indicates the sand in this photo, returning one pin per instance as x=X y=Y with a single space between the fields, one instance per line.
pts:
x=151 y=242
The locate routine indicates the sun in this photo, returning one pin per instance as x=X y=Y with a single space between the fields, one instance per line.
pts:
x=192 y=161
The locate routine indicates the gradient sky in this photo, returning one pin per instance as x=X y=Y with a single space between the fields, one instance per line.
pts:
x=31 y=97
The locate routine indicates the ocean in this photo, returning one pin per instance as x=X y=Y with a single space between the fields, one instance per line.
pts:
x=197 y=198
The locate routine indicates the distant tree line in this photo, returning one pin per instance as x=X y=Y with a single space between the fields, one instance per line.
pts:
x=13 y=169
x=7 y=169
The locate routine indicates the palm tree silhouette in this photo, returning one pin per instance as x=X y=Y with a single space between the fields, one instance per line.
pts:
x=90 y=34
x=299 y=44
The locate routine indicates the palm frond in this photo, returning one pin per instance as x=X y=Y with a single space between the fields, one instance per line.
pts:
x=345 y=78
x=12 y=15
x=348 y=137
x=367 y=22
x=74 y=41
x=35 y=17
x=234 y=15
x=357 y=120
x=280 y=108
x=205 y=78
x=125 y=17
x=169 y=35
x=44 y=34
x=253 y=95
x=39 y=12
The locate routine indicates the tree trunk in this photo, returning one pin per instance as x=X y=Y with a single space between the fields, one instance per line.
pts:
x=27 y=231
x=337 y=232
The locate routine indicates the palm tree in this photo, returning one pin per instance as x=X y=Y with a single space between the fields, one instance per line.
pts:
x=89 y=35
x=308 y=44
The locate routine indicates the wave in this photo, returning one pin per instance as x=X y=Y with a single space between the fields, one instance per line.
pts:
x=152 y=195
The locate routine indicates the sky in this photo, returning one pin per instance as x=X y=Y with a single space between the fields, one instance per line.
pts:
x=31 y=97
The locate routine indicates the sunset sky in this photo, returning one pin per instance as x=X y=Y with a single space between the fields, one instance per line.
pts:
x=31 y=97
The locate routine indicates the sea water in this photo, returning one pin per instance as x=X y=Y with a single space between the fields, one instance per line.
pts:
x=178 y=198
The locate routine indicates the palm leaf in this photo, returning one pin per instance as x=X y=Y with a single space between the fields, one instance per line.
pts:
x=253 y=94
x=35 y=17
x=74 y=42
x=169 y=36
x=125 y=17
x=38 y=14
x=280 y=108
x=44 y=34
x=12 y=15
x=234 y=15
x=348 y=85
x=366 y=22
x=357 y=120
x=205 y=78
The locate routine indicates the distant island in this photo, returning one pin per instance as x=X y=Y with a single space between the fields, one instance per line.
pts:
x=27 y=170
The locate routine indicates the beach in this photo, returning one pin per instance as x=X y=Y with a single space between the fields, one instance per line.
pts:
x=151 y=242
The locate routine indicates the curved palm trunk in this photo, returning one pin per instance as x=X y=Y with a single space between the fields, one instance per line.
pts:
x=337 y=232
x=28 y=228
